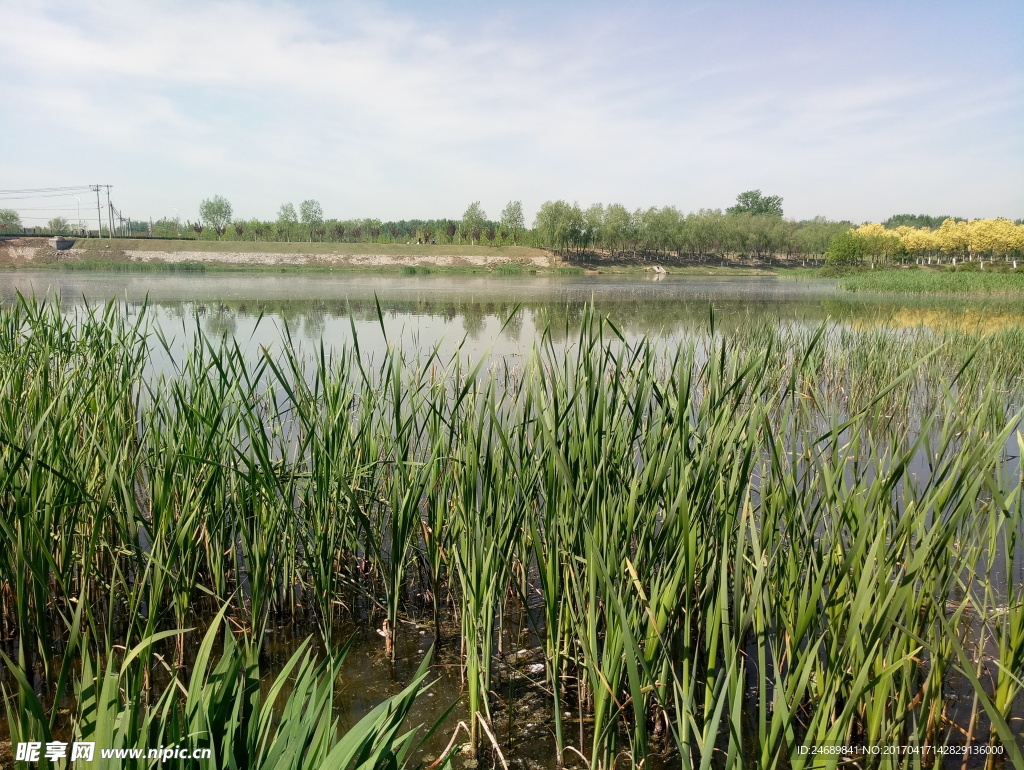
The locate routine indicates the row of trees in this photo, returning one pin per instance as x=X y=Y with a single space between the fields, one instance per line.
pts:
x=753 y=227
x=307 y=223
x=952 y=240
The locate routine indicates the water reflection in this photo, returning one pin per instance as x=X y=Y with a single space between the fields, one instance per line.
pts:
x=488 y=315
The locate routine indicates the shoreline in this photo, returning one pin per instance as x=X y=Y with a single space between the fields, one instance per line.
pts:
x=240 y=256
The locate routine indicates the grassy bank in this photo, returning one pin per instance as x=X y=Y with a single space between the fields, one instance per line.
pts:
x=935 y=282
x=924 y=281
x=759 y=544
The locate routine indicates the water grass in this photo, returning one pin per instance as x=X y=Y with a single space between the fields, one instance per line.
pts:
x=985 y=282
x=742 y=550
x=128 y=266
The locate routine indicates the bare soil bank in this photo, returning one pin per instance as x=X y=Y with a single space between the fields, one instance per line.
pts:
x=36 y=251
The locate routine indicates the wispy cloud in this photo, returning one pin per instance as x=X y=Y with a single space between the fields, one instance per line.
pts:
x=376 y=110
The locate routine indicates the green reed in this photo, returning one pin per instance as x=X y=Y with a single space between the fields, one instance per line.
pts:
x=733 y=551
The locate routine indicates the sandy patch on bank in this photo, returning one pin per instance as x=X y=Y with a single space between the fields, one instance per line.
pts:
x=23 y=253
x=353 y=260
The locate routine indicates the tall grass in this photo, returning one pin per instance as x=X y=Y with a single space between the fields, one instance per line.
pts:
x=934 y=282
x=128 y=266
x=735 y=552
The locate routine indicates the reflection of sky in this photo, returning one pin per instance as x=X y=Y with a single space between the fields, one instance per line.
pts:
x=422 y=311
x=410 y=332
x=418 y=312
x=469 y=313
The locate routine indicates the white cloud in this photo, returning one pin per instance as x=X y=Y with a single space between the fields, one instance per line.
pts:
x=376 y=112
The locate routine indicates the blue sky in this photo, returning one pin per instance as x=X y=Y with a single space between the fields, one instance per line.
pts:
x=396 y=110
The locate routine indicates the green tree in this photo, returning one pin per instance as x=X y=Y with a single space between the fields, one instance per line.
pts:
x=660 y=229
x=814 y=236
x=619 y=230
x=512 y=219
x=287 y=220
x=753 y=202
x=10 y=221
x=703 y=233
x=560 y=225
x=918 y=220
x=58 y=225
x=845 y=249
x=593 y=224
x=312 y=216
x=473 y=221
x=215 y=212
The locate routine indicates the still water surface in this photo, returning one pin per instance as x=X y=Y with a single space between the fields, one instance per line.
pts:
x=420 y=312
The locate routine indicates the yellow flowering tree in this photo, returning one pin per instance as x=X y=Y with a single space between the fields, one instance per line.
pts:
x=954 y=237
x=879 y=242
x=993 y=236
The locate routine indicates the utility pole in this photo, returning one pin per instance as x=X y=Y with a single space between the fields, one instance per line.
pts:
x=110 y=216
x=99 y=219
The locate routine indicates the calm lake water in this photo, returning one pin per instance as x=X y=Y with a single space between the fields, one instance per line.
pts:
x=479 y=312
x=427 y=310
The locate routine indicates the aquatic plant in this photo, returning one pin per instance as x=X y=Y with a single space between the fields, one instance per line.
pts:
x=754 y=545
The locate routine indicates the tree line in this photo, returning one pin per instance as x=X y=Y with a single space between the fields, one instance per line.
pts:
x=754 y=227
x=307 y=223
x=953 y=239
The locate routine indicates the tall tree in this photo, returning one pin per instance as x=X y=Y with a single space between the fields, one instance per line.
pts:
x=215 y=212
x=312 y=216
x=287 y=220
x=58 y=225
x=10 y=221
x=512 y=219
x=473 y=220
x=753 y=202
x=618 y=227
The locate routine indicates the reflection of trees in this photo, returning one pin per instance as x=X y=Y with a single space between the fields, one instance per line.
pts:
x=473 y=320
x=635 y=313
x=514 y=325
x=221 y=321
x=314 y=321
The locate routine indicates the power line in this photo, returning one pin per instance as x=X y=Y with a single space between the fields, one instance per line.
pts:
x=45 y=189
x=47 y=208
x=47 y=219
x=34 y=197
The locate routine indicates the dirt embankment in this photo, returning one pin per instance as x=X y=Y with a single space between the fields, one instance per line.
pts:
x=26 y=252
x=325 y=260
x=36 y=251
